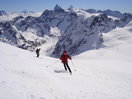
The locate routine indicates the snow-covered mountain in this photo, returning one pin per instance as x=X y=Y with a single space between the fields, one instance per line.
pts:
x=84 y=34
x=108 y=12
x=7 y=16
x=105 y=73
x=2 y=13
x=73 y=29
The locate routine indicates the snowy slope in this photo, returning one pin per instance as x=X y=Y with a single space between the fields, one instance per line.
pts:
x=101 y=74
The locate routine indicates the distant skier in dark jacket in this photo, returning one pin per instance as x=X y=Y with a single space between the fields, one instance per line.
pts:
x=64 y=59
x=37 y=51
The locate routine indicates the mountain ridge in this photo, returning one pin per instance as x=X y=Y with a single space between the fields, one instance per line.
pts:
x=72 y=29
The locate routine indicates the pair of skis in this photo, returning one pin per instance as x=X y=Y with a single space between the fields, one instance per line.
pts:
x=58 y=61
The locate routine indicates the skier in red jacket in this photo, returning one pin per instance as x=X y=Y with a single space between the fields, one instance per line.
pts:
x=64 y=59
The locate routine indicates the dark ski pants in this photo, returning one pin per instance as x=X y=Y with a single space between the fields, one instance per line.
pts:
x=37 y=54
x=67 y=66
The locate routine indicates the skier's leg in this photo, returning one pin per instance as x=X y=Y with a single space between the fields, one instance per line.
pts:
x=65 y=66
x=68 y=67
x=37 y=54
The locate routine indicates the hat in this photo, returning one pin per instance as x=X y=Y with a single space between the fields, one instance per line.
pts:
x=64 y=51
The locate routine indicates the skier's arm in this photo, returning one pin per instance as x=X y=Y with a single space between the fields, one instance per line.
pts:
x=69 y=57
x=61 y=57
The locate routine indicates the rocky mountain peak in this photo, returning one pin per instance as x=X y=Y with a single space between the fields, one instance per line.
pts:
x=58 y=9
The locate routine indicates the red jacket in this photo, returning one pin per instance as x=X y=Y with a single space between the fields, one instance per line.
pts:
x=64 y=57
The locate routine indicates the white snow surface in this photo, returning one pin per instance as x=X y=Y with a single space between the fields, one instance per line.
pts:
x=105 y=73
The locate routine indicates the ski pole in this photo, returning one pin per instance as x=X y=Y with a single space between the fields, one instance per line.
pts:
x=73 y=65
x=52 y=63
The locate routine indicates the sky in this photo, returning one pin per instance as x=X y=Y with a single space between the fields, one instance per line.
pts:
x=41 y=5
